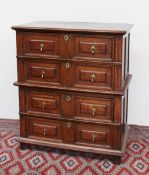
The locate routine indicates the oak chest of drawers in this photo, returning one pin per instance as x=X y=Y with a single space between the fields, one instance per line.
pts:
x=73 y=85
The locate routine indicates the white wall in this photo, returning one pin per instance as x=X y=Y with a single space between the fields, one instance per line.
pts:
x=136 y=12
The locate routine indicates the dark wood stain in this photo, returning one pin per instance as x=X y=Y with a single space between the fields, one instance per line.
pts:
x=73 y=83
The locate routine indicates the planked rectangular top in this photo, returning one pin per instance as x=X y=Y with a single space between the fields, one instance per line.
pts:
x=116 y=28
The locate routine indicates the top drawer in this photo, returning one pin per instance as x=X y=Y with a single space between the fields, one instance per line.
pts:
x=41 y=44
x=95 y=47
x=91 y=47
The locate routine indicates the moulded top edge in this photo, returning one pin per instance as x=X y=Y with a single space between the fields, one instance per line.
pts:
x=116 y=28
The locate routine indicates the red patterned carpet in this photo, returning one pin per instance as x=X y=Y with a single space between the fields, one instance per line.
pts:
x=51 y=161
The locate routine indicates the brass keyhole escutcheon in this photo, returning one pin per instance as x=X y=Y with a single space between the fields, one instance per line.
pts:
x=44 y=131
x=68 y=98
x=93 y=111
x=68 y=125
x=93 y=49
x=42 y=74
x=66 y=38
x=93 y=76
x=41 y=47
x=43 y=105
x=93 y=138
x=67 y=65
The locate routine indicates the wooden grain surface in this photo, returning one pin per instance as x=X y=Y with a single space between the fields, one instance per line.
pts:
x=76 y=26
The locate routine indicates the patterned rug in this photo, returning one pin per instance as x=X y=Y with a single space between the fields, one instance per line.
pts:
x=51 y=161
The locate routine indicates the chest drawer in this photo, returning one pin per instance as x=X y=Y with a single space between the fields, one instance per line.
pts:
x=43 y=103
x=68 y=74
x=94 y=135
x=45 y=129
x=94 y=109
x=41 y=44
x=65 y=105
x=94 y=47
x=94 y=77
x=43 y=72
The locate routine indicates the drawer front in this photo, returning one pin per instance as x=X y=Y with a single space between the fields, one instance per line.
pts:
x=94 y=135
x=95 y=77
x=41 y=44
x=94 y=109
x=70 y=106
x=94 y=47
x=43 y=103
x=80 y=76
x=43 y=72
x=44 y=128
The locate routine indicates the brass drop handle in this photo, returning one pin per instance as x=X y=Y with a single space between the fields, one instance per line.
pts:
x=68 y=98
x=93 y=111
x=93 y=138
x=42 y=74
x=66 y=38
x=68 y=125
x=41 y=47
x=93 y=77
x=93 y=49
x=45 y=131
x=43 y=105
x=67 y=65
